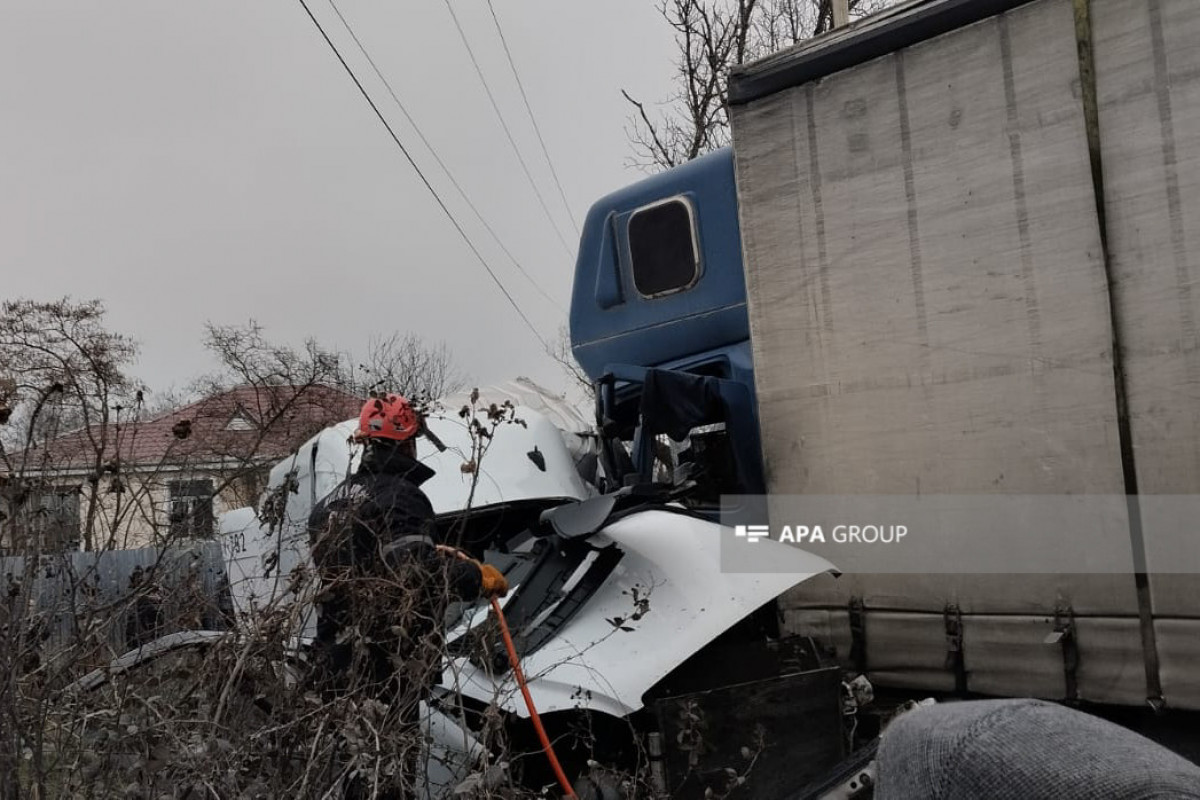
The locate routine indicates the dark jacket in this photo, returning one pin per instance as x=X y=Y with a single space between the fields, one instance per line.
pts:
x=384 y=586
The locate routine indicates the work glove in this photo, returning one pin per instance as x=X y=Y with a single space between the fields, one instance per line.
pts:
x=493 y=582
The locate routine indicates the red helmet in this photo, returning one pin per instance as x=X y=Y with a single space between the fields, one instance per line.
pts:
x=388 y=417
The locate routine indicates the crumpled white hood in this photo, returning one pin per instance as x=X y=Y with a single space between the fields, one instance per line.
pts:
x=672 y=559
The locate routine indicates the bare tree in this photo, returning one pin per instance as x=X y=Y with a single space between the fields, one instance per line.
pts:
x=248 y=357
x=64 y=371
x=713 y=36
x=275 y=395
x=403 y=363
x=84 y=466
x=160 y=401
x=560 y=351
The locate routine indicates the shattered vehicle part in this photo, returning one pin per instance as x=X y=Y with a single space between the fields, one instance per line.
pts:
x=611 y=594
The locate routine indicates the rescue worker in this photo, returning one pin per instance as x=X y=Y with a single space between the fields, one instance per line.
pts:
x=384 y=584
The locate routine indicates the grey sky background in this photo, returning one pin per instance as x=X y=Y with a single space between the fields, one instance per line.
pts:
x=203 y=161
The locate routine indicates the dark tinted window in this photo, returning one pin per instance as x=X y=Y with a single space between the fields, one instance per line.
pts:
x=662 y=247
x=191 y=511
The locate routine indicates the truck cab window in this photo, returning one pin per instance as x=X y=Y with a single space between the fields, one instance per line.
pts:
x=662 y=248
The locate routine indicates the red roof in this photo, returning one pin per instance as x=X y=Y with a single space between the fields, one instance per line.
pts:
x=246 y=422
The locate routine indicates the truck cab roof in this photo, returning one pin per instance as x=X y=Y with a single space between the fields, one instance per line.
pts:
x=659 y=274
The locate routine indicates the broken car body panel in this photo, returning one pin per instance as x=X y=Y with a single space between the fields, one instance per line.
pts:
x=669 y=559
x=604 y=660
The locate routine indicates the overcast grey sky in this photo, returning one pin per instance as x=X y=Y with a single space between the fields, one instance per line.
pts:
x=203 y=161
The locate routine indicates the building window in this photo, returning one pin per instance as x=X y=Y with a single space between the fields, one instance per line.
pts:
x=662 y=247
x=50 y=519
x=191 y=508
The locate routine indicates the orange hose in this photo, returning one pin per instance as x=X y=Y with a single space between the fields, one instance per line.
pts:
x=515 y=662
x=533 y=714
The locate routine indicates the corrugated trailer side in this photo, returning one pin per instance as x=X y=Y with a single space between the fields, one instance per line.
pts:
x=930 y=313
x=1148 y=91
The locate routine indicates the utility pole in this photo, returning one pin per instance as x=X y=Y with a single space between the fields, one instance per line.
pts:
x=841 y=13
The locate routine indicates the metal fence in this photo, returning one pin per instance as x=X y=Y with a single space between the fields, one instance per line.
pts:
x=121 y=598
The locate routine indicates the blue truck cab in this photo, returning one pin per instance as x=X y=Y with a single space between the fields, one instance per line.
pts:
x=659 y=323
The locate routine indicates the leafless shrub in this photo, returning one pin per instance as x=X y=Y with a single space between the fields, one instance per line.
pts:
x=251 y=715
x=85 y=472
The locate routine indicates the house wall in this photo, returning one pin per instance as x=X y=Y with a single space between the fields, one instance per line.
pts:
x=138 y=515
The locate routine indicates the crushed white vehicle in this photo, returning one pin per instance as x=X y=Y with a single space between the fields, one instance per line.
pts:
x=619 y=606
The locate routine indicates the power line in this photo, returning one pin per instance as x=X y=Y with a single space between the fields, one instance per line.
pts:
x=512 y=64
x=507 y=132
x=437 y=158
x=421 y=175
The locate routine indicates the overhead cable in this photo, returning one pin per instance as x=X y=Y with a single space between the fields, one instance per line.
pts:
x=507 y=132
x=533 y=119
x=438 y=159
x=421 y=175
